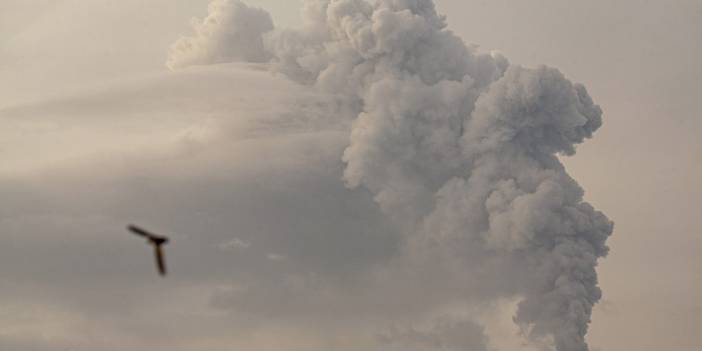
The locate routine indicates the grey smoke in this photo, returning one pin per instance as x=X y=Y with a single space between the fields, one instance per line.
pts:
x=458 y=147
x=231 y=32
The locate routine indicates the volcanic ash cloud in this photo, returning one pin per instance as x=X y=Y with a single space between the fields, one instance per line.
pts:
x=460 y=148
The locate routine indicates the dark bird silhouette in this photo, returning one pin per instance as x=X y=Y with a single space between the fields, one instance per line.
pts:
x=156 y=241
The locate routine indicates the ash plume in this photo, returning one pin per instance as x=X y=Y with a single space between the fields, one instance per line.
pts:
x=458 y=147
x=231 y=31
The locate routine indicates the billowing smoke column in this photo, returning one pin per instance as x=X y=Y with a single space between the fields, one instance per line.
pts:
x=458 y=146
x=231 y=23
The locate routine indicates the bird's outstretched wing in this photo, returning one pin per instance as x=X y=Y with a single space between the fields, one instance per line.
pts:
x=160 y=259
x=138 y=231
x=156 y=239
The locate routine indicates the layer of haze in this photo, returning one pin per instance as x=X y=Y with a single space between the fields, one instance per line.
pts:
x=96 y=133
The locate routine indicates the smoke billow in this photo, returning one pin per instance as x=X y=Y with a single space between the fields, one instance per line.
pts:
x=458 y=147
x=231 y=32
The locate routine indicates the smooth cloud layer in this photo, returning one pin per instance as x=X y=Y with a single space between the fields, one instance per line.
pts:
x=460 y=149
x=265 y=173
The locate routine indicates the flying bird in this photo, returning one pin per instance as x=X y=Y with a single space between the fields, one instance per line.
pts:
x=156 y=241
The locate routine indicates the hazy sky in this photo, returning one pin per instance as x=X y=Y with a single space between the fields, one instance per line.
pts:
x=244 y=169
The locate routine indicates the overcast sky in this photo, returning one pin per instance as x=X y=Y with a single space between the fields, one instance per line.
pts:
x=250 y=168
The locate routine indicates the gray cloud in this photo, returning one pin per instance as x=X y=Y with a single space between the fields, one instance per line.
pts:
x=460 y=148
x=63 y=226
x=232 y=31
x=396 y=174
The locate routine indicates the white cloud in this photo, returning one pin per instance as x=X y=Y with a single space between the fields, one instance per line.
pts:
x=460 y=149
x=395 y=174
x=232 y=31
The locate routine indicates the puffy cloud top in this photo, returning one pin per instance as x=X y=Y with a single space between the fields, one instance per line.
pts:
x=232 y=31
x=459 y=148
